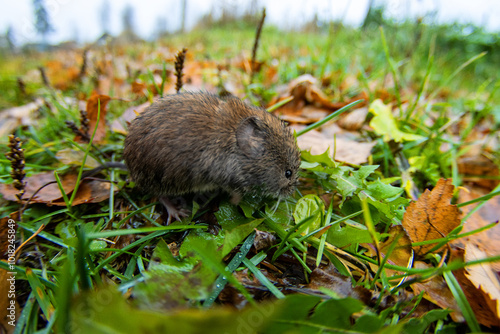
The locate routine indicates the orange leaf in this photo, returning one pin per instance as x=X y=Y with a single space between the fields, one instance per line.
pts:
x=431 y=216
x=95 y=102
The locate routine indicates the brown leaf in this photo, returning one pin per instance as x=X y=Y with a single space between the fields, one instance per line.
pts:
x=89 y=191
x=431 y=216
x=328 y=277
x=305 y=91
x=436 y=291
x=402 y=253
x=7 y=315
x=486 y=241
x=476 y=168
x=33 y=183
x=481 y=303
x=11 y=118
x=354 y=120
x=5 y=231
x=483 y=277
x=94 y=103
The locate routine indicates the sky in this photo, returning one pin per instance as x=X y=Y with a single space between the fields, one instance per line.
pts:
x=81 y=18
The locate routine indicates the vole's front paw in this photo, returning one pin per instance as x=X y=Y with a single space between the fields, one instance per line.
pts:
x=174 y=211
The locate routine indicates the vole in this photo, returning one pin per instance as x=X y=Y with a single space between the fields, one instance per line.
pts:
x=198 y=142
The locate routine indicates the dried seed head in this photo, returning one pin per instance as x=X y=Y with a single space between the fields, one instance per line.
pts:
x=16 y=158
x=84 y=121
x=179 y=65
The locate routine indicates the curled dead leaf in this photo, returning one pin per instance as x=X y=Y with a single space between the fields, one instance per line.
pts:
x=305 y=91
x=431 y=216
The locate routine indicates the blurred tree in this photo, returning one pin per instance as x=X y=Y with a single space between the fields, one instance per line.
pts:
x=104 y=12
x=42 y=21
x=161 y=27
x=375 y=15
x=9 y=36
x=128 y=18
x=183 y=16
x=128 y=33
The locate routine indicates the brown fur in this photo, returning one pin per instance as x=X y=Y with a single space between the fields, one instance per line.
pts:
x=196 y=142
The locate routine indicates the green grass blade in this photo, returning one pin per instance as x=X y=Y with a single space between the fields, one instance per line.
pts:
x=235 y=262
x=462 y=302
x=263 y=279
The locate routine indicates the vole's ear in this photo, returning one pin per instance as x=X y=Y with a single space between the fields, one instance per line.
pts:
x=250 y=137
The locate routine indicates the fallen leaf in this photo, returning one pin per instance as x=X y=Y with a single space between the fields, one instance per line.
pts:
x=8 y=312
x=346 y=150
x=479 y=301
x=483 y=277
x=95 y=103
x=431 y=216
x=305 y=91
x=4 y=234
x=486 y=241
x=353 y=120
x=402 y=253
x=33 y=183
x=476 y=168
x=11 y=118
x=89 y=191
x=436 y=291
x=328 y=277
x=72 y=157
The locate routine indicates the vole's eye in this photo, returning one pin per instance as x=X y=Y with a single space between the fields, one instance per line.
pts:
x=288 y=173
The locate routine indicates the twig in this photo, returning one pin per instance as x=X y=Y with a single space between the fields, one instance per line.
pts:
x=256 y=44
x=45 y=80
x=83 y=68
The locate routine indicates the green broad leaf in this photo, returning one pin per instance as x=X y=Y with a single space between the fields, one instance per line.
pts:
x=66 y=231
x=384 y=124
x=290 y=315
x=342 y=236
x=420 y=325
x=96 y=245
x=382 y=191
x=389 y=210
x=235 y=235
x=368 y=323
x=106 y=311
x=324 y=158
x=176 y=281
x=163 y=257
x=364 y=171
x=309 y=206
x=428 y=168
x=336 y=313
